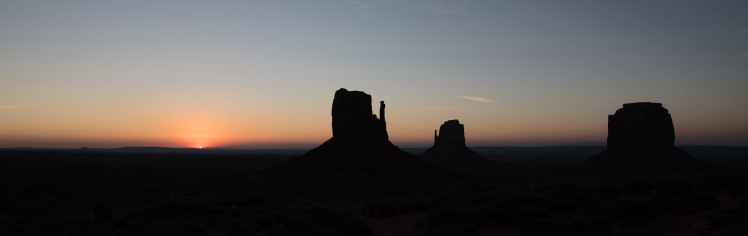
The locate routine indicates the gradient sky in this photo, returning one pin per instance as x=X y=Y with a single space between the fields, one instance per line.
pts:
x=263 y=73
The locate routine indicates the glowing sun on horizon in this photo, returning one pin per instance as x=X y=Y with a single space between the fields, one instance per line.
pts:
x=199 y=135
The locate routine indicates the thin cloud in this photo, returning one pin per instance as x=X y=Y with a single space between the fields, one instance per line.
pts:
x=477 y=99
x=445 y=109
x=363 y=6
x=8 y=107
x=360 y=5
x=448 y=7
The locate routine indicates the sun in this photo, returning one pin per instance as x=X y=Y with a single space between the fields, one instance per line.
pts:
x=199 y=135
x=198 y=144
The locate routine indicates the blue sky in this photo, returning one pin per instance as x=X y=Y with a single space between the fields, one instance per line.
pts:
x=258 y=73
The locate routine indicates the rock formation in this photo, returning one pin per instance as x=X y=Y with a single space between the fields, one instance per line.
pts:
x=451 y=135
x=640 y=139
x=352 y=119
x=639 y=125
x=449 y=151
x=359 y=151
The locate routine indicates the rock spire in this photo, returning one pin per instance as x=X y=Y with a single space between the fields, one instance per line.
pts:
x=352 y=117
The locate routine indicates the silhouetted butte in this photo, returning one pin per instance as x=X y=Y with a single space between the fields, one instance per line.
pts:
x=358 y=151
x=449 y=151
x=641 y=138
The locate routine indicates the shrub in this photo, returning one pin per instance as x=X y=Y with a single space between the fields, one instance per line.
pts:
x=325 y=221
x=674 y=187
x=182 y=228
x=518 y=214
x=389 y=208
x=560 y=190
x=640 y=231
x=385 y=209
x=448 y=215
x=469 y=194
x=540 y=227
x=743 y=202
x=666 y=202
x=453 y=229
x=605 y=190
x=567 y=225
x=632 y=210
x=636 y=188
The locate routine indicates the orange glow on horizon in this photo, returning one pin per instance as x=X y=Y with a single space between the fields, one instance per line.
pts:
x=200 y=134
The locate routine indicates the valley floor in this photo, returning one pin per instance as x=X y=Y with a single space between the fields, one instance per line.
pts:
x=191 y=193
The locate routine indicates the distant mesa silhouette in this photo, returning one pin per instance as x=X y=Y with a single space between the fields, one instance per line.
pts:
x=641 y=138
x=359 y=150
x=450 y=152
x=640 y=125
x=452 y=135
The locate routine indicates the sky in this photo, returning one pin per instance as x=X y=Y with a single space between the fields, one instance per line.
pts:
x=263 y=73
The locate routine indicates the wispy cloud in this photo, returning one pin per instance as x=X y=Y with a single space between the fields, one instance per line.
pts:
x=360 y=5
x=441 y=7
x=363 y=6
x=477 y=99
x=445 y=108
x=8 y=107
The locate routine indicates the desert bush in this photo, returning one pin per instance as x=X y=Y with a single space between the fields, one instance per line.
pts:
x=469 y=194
x=636 y=188
x=389 y=208
x=743 y=202
x=734 y=181
x=466 y=229
x=385 y=209
x=567 y=225
x=668 y=202
x=468 y=188
x=594 y=206
x=567 y=204
x=605 y=190
x=525 y=198
x=664 y=202
x=324 y=221
x=639 y=231
x=181 y=228
x=632 y=210
x=447 y=215
x=559 y=189
x=540 y=227
x=703 y=200
x=518 y=214
x=674 y=187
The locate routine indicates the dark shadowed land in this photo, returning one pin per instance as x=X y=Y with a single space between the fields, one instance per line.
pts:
x=217 y=192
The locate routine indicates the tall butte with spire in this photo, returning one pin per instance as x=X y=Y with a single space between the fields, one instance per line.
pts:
x=353 y=121
x=450 y=152
x=359 y=150
x=641 y=138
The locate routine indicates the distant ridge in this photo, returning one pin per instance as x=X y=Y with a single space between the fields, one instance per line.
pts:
x=155 y=148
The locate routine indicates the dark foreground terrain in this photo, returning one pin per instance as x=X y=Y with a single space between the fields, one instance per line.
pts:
x=533 y=191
